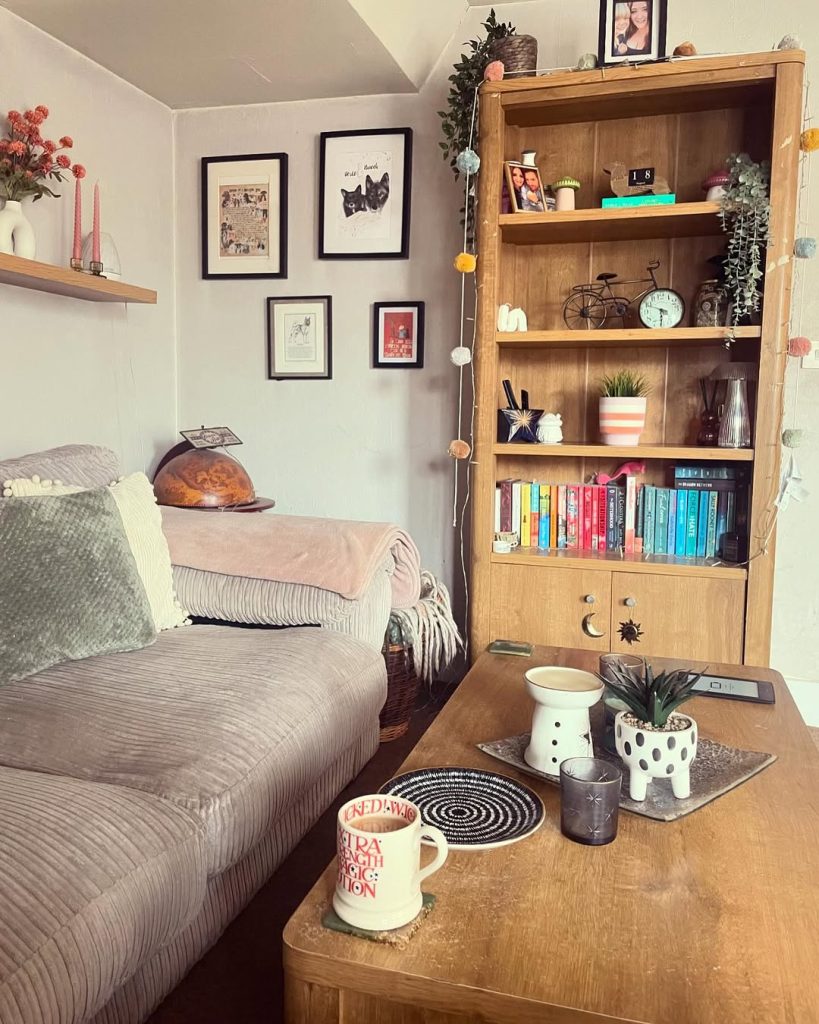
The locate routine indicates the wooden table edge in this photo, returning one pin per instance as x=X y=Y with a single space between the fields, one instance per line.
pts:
x=324 y=971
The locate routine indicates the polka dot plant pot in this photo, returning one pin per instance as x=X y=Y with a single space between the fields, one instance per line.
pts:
x=665 y=754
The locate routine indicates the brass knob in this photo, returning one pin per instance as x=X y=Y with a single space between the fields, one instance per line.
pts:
x=589 y=598
x=630 y=602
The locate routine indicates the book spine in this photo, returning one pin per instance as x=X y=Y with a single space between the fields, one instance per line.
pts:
x=525 y=515
x=621 y=518
x=631 y=513
x=545 y=525
x=506 y=506
x=639 y=525
x=702 y=524
x=661 y=522
x=595 y=524
x=711 y=535
x=516 y=507
x=601 y=518
x=671 y=540
x=497 y=517
x=682 y=523
x=561 y=515
x=705 y=485
x=611 y=518
x=691 y=526
x=572 y=523
x=587 y=518
x=553 y=519
x=648 y=526
x=534 y=518
x=722 y=518
x=731 y=513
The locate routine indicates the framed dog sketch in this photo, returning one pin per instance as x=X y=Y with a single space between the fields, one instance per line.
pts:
x=365 y=180
x=300 y=338
x=244 y=216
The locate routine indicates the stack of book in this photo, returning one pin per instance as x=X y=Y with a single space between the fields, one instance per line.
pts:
x=688 y=519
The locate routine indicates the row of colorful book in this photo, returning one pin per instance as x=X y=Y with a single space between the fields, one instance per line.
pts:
x=688 y=519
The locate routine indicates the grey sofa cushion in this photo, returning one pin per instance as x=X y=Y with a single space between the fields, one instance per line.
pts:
x=94 y=880
x=85 y=464
x=69 y=586
x=231 y=723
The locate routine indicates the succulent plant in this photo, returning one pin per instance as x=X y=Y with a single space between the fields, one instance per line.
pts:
x=651 y=697
x=745 y=213
x=624 y=384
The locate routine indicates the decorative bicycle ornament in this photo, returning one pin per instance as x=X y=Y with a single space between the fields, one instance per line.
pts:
x=591 y=306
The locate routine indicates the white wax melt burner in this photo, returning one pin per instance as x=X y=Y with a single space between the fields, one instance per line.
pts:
x=560 y=726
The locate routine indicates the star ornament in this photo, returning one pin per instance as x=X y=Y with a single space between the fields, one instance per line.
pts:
x=522 y=424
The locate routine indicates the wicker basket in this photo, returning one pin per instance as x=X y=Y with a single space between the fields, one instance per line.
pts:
x=402 y=691
x=518 y=53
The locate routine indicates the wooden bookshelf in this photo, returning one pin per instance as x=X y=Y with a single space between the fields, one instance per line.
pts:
x=680 y=220
x=43 y=277
x=626 y=337
x=642 y=451
x=685 y=118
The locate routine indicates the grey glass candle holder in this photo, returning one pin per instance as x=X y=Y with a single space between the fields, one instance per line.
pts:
x=589 y=800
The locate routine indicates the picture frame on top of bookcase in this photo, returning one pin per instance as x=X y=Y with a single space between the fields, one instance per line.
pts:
x=631 y=33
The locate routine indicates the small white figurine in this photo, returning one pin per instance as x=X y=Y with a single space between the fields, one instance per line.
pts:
x=550 y=428
x=510 y=320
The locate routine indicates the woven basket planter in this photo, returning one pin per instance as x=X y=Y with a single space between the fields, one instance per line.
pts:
x=518 y=53
x=402 y=691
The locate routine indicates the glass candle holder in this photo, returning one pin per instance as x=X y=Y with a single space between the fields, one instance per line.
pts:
x=589 y=800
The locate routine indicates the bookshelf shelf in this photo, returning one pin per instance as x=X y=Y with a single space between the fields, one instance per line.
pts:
x=629 y=337
x=663 y=565
x=44 y=277
x=643 y=451
x=682 y=220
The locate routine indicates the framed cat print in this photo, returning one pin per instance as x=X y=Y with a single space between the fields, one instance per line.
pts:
x=244 y=216
x=365 y=180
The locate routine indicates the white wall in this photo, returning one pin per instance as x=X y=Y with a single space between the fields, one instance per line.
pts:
x=369 y=444
x=72 y=370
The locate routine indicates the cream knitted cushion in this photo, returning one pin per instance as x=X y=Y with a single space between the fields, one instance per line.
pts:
x=142 y=520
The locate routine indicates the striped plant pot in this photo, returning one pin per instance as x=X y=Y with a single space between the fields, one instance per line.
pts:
x=622 y=420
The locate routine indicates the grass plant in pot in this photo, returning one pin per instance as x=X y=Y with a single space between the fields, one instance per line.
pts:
x=623 y=407
x=654 y=740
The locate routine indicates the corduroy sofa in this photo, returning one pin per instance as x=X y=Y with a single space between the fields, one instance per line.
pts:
x=146 y=796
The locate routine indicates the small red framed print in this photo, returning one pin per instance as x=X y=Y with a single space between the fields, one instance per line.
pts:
x=398 y=335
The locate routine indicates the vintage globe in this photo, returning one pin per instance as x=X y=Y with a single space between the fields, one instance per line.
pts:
x=203 y=478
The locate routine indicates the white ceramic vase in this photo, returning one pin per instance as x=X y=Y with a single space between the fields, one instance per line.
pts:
x=16 y=233
x=560 y=724
x=656 y=755
x=622 y=420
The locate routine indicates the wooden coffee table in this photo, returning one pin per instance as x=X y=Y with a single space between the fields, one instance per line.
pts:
x=712 y=919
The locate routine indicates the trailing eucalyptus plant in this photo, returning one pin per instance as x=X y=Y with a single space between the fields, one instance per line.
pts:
x=459 y=131
x=745 y=215
x=651 y=698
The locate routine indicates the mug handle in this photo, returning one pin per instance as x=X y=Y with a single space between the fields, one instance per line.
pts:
x=438 y=837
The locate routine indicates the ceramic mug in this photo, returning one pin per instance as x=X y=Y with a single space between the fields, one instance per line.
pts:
x=379 y=861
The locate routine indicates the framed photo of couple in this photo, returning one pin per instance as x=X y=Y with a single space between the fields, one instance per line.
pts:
x=525 y=187
x=631 y=33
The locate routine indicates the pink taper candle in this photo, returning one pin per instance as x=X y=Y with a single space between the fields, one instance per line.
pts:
x=95 y=235
x=77 y=251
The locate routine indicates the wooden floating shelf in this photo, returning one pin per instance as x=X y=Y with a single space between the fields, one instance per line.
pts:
x=616 y=451
x=681 y=220
x=43 y=277
x=566 y=338
x=613 y=561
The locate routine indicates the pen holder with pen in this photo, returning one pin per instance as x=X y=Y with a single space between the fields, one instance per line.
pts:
x=518 y=426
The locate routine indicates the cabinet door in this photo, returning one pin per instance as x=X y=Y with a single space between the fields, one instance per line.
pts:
x=680 y=616
x=548 y=605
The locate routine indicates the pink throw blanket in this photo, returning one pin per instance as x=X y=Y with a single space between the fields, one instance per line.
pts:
x=331 y=554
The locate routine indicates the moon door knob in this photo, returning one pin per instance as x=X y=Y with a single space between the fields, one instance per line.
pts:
x=589 y=627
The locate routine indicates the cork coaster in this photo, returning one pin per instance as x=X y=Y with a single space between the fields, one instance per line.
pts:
x=398 y=938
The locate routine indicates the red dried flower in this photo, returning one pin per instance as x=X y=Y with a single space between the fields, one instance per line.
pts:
x=33 y=117
x=78 y=171
x=63 y=161
x=29 y=175
x=66 y=142
x=17 y=147
x=14 y=115
x=43 y=110
x=49 y=146
x=46 y=164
